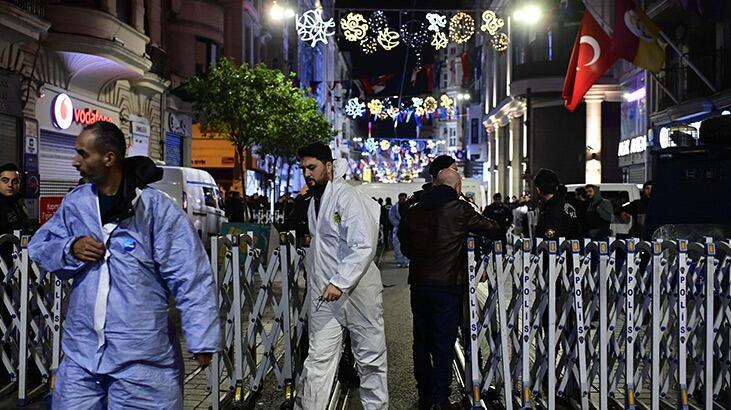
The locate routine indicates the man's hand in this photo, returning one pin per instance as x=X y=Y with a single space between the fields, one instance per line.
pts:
x=87 y=249
x=484 y=276
x=203 y=359
x=331 y=293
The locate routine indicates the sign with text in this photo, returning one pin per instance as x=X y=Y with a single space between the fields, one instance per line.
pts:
x=49 y=204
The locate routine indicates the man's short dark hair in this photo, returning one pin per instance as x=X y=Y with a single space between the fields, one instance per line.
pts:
x=592 y=186
x=403 y=195
x=109 y=138
x=497 y=195
x=316 y=150
x=647 y=183
x=9 y=167
x=439 y=163
x=547 y=181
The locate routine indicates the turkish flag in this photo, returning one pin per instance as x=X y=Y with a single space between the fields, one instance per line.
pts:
x=591 y=58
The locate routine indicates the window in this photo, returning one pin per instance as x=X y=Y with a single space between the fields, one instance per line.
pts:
x=452 y=141
x=206 y=53
x=210 y=196
x=475 y=131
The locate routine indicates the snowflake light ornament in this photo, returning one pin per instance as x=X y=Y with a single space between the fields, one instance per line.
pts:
x=417 y=101
x=436 y=21
x=439 y=41
x=312 y=27
x=446 y=102
x=354 y=26
x=375 y=107
x=388 y=39
x=385 y=145
x=369 y=45
x=354 y=108
x=371 y=145
x=491 y=22
x=393 y=112
x=430 y=105
x=461 y=27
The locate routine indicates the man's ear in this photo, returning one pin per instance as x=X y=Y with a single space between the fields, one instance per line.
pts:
x=329 y=168
x=110 y=159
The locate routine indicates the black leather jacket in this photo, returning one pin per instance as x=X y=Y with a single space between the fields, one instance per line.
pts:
x=433 y=235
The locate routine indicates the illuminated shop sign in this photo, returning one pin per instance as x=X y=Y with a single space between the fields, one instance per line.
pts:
x=634 y=145
x=63 y=113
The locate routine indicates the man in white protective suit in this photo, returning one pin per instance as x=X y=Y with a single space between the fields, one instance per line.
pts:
x=344 y=284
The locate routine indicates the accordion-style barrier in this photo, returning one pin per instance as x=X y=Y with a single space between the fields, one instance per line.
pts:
x=264 y=317
x=583 y=324
x=262 y=310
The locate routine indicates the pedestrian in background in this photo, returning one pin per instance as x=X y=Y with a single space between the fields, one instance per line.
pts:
x=433 y=234
x=598 y=216
x=127 y=247
x=13 y=215
x=552 y=221
x=394 y=217
x=637 y=209
x=500 y=213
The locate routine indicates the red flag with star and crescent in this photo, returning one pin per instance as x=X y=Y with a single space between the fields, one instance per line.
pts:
x=591 y=58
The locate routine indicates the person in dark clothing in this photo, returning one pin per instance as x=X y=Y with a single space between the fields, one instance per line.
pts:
x=638 y=210
x=552 y=223
x=439 y=163
x=13 y=215
x=387 y=225
x=433 y=234
x=296 y=217
x=599 y=214
x=501 y=213
x=235 y=207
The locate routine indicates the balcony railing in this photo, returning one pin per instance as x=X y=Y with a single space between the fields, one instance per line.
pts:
x=159 y=60
x=685 y=84
x=36 y=7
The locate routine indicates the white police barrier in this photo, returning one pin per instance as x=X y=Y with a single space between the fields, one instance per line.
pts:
x=262 y=309
x=30 y=321
x=264 y=217
x=264 y=313
x=589 y=324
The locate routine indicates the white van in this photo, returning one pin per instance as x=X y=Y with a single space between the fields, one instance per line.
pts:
x=470 y=187
x=196 y=192
x=618 y=195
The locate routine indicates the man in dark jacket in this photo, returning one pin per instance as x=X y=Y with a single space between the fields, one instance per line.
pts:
x=638 y=210
x=439 y=163
x=499 y=212
x=433 y=234
x=599 y=212
x=13 y=215
x=552 y=218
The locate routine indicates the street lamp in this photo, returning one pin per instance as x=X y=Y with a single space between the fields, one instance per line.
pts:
x=278 y=12
x=528 y=14
x=463 y=96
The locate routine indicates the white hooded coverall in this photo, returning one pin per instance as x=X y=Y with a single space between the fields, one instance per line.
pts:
x=344 y=239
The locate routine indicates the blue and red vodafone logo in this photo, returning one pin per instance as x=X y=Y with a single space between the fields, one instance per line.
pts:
x=64 y=113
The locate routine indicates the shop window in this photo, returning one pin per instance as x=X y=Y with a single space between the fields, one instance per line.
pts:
x=206 y=53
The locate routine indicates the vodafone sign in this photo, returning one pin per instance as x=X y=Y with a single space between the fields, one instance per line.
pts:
x=63 y=113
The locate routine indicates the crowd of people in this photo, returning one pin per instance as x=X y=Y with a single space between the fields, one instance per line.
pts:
x=118 y=348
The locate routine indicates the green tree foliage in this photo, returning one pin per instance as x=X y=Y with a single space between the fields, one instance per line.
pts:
x=254 y=107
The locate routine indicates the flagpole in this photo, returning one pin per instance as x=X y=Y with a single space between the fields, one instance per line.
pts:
x=667 y=40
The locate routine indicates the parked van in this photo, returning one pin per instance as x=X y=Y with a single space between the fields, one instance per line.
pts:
x=619 y=195
x=470 y=187
x=196 y=192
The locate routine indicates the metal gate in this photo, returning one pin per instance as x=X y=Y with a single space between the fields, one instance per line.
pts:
x=589 y=323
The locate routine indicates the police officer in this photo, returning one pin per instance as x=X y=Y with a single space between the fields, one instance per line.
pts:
x=551 y=217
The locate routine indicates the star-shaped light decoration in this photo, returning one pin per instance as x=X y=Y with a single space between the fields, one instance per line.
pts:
x=311 y=27
x=439 y=41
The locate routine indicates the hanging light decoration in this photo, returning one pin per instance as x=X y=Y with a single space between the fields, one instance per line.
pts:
x=461 y=27
x=311 y=27
x=369 y=45
x=430 y=105
x=491 y=22
x=354 y=26
x=415 y=36
x=439 y=41
x=500 y=42
x=388 y=39
x=446 y=102
x=378 y=21
x=375 y=107
x=436 y=21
